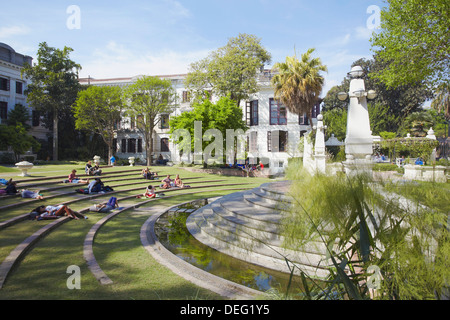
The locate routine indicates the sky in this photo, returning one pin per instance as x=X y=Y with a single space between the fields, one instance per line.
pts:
x=113 y=39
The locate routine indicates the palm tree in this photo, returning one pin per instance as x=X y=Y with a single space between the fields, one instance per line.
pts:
x=441 y=101
x=298 y=83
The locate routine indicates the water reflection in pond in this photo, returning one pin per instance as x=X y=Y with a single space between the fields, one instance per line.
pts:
x=172 y=233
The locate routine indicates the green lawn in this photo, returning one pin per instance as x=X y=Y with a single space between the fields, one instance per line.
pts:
x=118 y=249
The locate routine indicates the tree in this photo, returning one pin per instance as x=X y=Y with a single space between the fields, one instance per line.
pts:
x=417 y=124
x=441 y=102
x=299 y=83
x=413 y=42
x=230 y=70
x=391 y=106
x=19 y=114
x=16 y=137
x=222 y=115
x=54 y=84
x=146 y=100
x=98 y=109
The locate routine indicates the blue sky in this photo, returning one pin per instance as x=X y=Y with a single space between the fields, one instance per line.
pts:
x=157 y=37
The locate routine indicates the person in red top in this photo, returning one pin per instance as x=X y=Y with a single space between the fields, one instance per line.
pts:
x=74 y=179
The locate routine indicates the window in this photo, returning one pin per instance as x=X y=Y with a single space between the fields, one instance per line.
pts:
x=303 y=119
x=35 y=118
x=4 y=84
x=253 y=143
x=164 y=121
x=186 y=96
x=277 y=141
x=252 y=113
x=165 y=145
x=123 y=148
x=114 y=146
x=3 y=110
x=131 y=145
x=19 y=87
x=278 y=112
x=139 y=146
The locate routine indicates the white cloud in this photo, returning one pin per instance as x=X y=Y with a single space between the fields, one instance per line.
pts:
x=7 y=32
x=115 y=60
x=363 y=33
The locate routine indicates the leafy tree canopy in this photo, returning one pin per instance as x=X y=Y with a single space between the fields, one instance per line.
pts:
x=230 y=70
x=413 y=42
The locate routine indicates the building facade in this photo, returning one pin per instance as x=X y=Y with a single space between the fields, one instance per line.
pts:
x=273 y=136
x=13 y=86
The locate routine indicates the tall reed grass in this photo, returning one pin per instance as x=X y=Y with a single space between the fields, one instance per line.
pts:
x=379 y=245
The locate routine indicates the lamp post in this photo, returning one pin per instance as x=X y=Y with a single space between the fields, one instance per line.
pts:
x=359 y=139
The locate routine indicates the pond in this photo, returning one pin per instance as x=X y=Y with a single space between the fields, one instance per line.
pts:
x=172 y=232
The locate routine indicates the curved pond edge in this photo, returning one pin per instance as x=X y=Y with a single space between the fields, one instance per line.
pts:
x=201 y=278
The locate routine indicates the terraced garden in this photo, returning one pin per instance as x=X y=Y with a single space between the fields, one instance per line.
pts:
x=35 y=255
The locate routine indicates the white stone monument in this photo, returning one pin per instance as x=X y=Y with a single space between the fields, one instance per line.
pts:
x=359 y=139
x=319 y=147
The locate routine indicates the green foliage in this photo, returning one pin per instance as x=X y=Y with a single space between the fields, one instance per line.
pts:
x=336 y=122
x=54 y=86
x=146 y=99
x=18 y=139
x=222 y=115
x=19 y=114
x=230 y=70
x=298 y=83
x=364 y=228
x=394 y=104
x=413 y=42
x=413 y=147
x=98 y=109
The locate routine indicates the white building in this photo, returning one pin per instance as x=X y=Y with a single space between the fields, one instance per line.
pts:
x=13 y=86
x=273 y=137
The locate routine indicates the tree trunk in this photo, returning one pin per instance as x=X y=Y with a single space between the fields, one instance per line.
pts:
x=55 y=135
x=149 y=147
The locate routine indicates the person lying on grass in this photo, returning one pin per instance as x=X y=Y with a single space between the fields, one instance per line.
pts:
x=106 y=206
x=55 y=212
x=31 y=194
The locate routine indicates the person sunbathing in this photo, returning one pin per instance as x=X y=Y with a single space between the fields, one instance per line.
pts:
x=167 y=183
x=31 y=194
x=178 y=182
x=55 y=212
x=107 y=206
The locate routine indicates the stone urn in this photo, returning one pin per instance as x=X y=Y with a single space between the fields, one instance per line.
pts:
x=131 y=161
x=24 y=166
x=97 y=160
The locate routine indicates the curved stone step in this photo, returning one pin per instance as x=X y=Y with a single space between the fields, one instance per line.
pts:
x=235 y=244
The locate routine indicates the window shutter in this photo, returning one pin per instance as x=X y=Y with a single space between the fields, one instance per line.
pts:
x=248 y=113
x=269 y=141
x=276 y=141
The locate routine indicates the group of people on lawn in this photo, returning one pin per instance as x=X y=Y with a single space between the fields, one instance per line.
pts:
x=43 y=212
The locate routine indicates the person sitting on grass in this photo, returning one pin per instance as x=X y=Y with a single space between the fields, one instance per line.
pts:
x=73 y=178
x=55 y=212
x=11 y=187
x=178 y=182
x=95 y=186
x=166 y=183
x=150 y=192
x=92 y=170
x=147 y=174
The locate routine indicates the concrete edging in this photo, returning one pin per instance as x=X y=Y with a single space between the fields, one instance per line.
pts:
x=184 y=269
